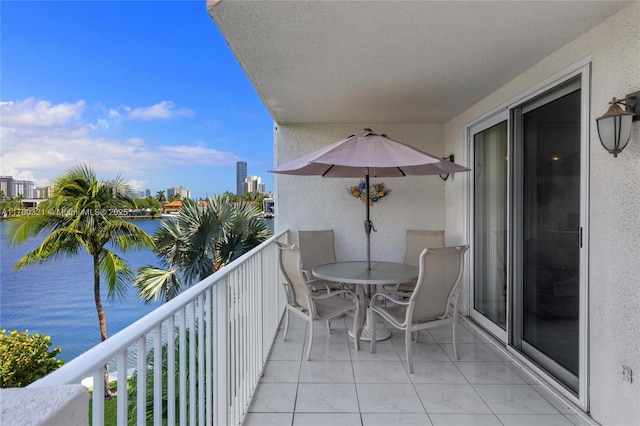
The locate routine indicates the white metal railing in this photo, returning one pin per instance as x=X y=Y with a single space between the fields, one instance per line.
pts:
x=198 y=357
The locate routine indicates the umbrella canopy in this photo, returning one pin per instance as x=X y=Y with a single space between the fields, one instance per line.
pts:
x=368 y=154
x=383 y=156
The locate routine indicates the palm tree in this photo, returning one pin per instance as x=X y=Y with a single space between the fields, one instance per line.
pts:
x=204 y=237
x=160 y=197
x=82 y=216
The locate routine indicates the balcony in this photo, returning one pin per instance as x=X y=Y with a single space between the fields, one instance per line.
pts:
x=245 y=374
x=341 y=386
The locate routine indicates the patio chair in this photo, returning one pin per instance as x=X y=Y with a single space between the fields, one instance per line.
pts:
x=317 y=248
x=416 y=240
x=303 y=302
x=434 y=301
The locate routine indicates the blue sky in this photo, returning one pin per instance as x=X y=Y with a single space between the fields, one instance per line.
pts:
x=146 y=90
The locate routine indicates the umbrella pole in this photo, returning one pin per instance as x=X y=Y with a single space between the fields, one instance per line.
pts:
x=368 y=224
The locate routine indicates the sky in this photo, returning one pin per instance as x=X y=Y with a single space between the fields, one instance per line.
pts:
x=147 y=91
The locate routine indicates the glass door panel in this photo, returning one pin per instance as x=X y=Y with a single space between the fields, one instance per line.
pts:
x=490 y=227
x=547 y=229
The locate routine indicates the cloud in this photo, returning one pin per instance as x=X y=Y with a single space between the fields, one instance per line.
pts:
x=161 y=111
x=33 y=113
x=101 y=123
x=198 y=155
x=40 y=140
x=138 y=185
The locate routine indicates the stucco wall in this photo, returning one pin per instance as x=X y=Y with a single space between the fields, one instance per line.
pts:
x=66 y=405
x=614 y=270
x=311 y=202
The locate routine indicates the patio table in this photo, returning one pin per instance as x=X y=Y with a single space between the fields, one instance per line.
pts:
x=356 y=272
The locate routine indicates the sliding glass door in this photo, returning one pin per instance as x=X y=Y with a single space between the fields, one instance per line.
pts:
x=529 y=199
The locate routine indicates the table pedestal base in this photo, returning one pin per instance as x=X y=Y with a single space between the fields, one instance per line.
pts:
x=382 y=332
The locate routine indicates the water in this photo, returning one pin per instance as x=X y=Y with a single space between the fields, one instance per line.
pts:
x=55 y=298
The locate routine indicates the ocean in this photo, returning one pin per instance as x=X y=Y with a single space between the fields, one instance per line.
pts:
x=55 y=298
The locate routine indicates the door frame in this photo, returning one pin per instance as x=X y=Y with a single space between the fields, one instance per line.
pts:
x=581 y=68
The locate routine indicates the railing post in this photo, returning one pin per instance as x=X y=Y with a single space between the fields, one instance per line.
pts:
x=141 y=382
x=202 y=362
x=193 y=396
x=221 y=373
x=210 y=350
x=122 y=400
x=157 y=376
x=182 y=363
x=98 y=396
x=171 y=371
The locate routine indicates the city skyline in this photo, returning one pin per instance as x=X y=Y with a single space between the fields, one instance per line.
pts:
x=8 y=185
x=157 y=107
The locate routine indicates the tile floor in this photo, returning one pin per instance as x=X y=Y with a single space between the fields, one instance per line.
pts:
x=341 y=386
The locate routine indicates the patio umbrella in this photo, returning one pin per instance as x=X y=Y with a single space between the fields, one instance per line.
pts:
x=368 y=154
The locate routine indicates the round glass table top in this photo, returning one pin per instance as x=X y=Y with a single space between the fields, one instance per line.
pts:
x=356 y=272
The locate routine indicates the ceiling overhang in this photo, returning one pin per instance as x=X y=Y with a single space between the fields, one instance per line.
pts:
x=391 y=61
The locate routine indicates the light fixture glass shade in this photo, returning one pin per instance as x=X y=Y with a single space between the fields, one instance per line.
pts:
x=614 y=129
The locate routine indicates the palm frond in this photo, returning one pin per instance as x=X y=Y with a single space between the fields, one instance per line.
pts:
x=59 y=243
x=155 y=283
x=246 y=230
x=117 y=274
x=21 y=229
x=197 y=265
x=127 y=235
x=168 y=242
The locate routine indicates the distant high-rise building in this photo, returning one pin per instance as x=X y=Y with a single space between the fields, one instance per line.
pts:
x=241 y=175
x=6 y=185
x=14 y=187
x=254 y=184
x=25 y=188
x=180 y=191
x=44 y=192
x=147 y=193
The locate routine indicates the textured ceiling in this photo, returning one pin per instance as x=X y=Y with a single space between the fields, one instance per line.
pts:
x=393 y=61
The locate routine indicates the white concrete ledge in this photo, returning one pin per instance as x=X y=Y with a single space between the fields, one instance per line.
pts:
x=66 y=405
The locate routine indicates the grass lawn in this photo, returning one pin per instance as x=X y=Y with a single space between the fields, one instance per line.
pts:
x=110 y=405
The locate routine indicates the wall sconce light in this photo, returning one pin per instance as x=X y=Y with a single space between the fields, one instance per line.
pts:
x=446 y=176
x=614 y=127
